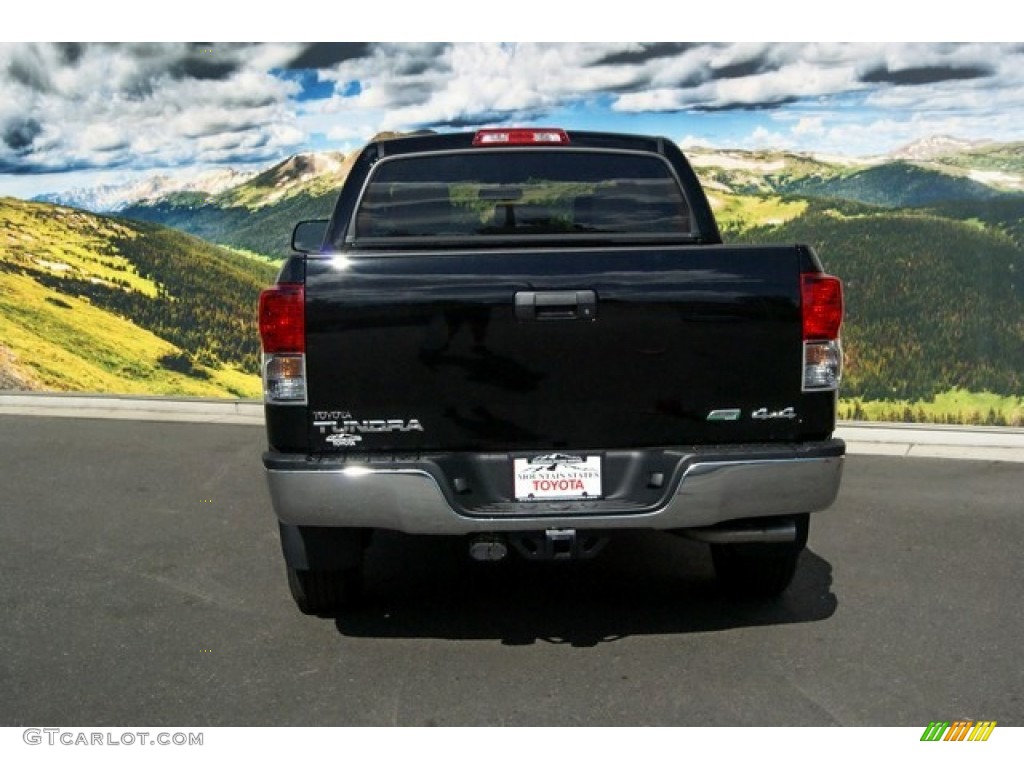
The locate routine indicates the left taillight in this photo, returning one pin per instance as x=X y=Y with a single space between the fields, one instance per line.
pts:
x=282 y=323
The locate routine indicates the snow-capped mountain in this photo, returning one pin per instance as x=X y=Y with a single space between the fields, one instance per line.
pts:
x=110 y=198
x=934 y=147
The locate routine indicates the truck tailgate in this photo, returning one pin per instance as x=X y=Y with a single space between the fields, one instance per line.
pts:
x=538 y=349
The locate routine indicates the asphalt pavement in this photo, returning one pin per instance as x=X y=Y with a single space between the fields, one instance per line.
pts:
x=141 y=583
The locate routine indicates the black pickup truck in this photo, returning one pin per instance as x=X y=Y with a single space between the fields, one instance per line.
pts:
x=533 y=339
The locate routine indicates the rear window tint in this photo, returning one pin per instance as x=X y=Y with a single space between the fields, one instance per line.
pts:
x=501 y=193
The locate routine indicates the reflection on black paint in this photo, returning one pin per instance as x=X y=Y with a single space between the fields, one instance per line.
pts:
x=479 y=363
x=483 y=424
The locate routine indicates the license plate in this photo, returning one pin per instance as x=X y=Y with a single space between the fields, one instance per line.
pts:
x=557 y=476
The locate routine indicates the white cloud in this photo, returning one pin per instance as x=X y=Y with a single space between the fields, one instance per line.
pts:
x=762 y=137
x=809 y=126
x=655 y=100
x=102 y=137
x=464 y=82
x=168 y=104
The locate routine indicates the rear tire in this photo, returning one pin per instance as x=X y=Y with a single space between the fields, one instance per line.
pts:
x=759 y=570
x=324 y=593
x=325 y=566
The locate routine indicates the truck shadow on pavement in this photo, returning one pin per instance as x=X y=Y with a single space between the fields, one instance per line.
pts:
x=644 y=583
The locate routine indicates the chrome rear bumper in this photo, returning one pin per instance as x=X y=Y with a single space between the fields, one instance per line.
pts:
x=407 y=496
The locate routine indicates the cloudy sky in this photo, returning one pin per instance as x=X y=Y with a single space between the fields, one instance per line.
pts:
x=80 y=114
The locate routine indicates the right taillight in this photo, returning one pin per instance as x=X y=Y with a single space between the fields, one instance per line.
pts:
x=282 y=322
x=822 y=310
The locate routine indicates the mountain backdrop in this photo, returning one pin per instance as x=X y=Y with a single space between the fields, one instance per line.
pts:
x=258 y=214
x=929 y=241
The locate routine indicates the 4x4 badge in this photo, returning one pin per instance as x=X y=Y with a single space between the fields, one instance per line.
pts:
x=763 y=414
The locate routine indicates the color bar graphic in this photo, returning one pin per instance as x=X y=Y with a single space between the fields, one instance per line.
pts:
x=958 y=730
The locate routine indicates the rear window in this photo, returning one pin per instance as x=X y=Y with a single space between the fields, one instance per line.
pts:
x=506 y=194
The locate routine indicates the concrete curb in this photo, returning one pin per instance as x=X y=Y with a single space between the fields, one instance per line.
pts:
x=194 y=410
x=868 y=438
x=933 y=441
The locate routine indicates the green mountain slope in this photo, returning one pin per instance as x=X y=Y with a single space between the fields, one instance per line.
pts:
x=929 y=172
x=894 y=185
x=993 y=157
x=932 y=304
x=95 y=303
x=1005 y=214
x=266 y=230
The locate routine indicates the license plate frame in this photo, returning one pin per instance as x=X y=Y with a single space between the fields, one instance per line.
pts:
x=557 y=477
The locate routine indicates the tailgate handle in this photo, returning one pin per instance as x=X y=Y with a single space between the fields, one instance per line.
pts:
x=556 y=305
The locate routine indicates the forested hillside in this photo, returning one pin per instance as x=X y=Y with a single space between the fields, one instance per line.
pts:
x=95 y=303
x=932 y=303
x=894 y=185
x=265 y=230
